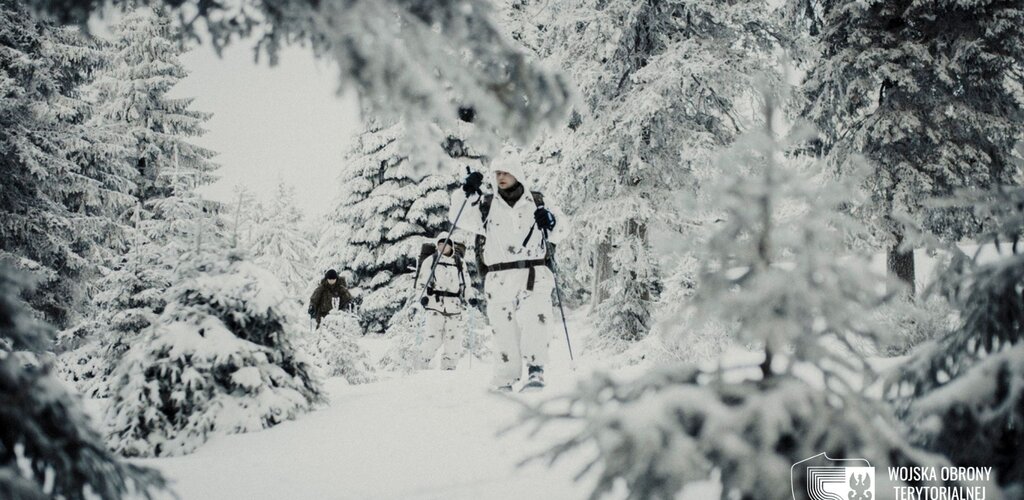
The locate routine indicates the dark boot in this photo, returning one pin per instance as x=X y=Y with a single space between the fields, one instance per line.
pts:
x=534 y=379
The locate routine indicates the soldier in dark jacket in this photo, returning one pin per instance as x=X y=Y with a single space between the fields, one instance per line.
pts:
x=322 y=301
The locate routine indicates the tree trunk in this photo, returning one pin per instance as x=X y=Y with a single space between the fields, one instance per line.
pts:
x=766 y=365
x=602 y=271
x=639 y=230
x=901 y=265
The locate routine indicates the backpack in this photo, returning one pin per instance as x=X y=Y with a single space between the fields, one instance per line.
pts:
x=481 y=240
x=429 y=249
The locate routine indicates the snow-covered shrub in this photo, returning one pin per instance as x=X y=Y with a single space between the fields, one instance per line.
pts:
x=625 y=317
x=126 y=302
x=217 y=360
x=913 y=322
x=676 y=336
x=405 y=334
x=963 y=394
x=48 y=448
x=336 y=351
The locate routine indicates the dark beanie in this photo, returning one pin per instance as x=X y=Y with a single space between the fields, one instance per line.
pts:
x=331 y=275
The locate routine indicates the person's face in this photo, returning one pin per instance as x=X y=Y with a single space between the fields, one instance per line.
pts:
x=505 y=179
x=445 y=248
x=331 y=281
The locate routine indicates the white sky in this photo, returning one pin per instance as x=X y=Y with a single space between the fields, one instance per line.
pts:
x=284 y=122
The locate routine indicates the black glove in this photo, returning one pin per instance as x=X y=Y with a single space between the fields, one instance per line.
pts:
x=424 y=301
x=472 y=183
x=544 y=218
x=473 y=302
x=311 y=312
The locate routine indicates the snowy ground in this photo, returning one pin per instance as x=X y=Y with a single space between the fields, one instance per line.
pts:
x=430 y=435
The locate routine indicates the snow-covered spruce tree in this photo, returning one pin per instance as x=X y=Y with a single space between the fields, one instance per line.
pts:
x=64 y=181
x=134 y=95
x=128 y=298
x=175 y=224
x=420 y=60
x=48 y=448
x=241 y=216
x=171 y=219
x=963 y=394
x=769 y=271
x=929 y=93
x=387 y=208
x=278 y=242
x=336 y=352
x=661 y=86
x=217 y=360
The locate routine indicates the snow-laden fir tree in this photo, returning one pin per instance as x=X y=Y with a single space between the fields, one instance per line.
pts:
x=387 y=209
x=662 y=85
x=134 y=95
x=769 y=271
x=930 y=93
x=241 y=212
x=48 y=448
x=64 y=182
x=963 y=394
x=169 y=220
x=217 y=360
x=420 y=60
x=129 y=295
x=336 y=352
x=170 y=229
x=278 y=242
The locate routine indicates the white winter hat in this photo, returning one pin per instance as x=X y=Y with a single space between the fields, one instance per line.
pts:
x=509 y=162
x=445 y=235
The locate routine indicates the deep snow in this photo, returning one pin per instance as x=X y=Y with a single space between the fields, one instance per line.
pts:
x=432 y=434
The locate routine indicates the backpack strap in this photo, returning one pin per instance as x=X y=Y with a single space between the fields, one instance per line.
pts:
x=462 y=277
x=485 y=208
x=425 y=251
x=479 y=242
x=538 y=200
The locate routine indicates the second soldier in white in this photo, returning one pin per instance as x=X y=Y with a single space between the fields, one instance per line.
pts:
x=443 y=301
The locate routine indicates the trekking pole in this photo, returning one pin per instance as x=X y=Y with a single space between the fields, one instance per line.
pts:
x=469 y=326
x=447 y=242
x=558 y=294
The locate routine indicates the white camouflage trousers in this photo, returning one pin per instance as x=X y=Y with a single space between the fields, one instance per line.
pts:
x=522 y=333
x=442 y=330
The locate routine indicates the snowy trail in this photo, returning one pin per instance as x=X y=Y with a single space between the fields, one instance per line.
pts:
x=429 y=435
